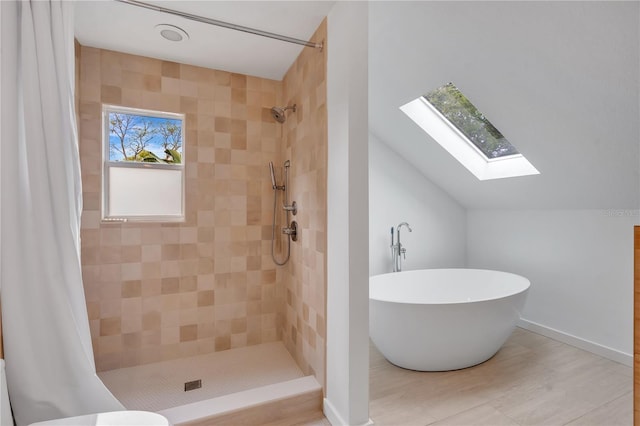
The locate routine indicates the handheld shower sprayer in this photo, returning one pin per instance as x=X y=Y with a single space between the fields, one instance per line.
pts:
x=273 y=176
x=274 y=183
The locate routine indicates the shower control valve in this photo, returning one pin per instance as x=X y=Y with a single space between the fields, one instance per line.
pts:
x=291 y=230
x=293 y=208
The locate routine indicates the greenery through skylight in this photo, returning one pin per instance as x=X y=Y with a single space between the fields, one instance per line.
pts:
x=460 y=112
x=454 y=123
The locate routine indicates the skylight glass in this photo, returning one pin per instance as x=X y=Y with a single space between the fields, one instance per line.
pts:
x=460 y=128
x=472 y=123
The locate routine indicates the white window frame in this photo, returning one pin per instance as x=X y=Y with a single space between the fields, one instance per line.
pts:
x=461 y=148
x=107 y=165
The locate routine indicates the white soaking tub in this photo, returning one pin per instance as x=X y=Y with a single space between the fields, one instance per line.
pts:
x=443 y=319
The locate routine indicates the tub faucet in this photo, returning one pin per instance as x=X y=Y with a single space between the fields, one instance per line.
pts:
x=396 y=248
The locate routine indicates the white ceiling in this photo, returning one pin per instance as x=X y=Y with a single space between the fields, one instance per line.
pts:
x=126 y=28
x=559 y=79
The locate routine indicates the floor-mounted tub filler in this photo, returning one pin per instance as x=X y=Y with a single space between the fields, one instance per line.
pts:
x=443 y=319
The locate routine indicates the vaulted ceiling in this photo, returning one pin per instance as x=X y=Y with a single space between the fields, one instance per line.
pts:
x=559 y=79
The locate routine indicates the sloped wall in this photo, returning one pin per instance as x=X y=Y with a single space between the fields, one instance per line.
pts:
x=564 y=91
x=400 y=193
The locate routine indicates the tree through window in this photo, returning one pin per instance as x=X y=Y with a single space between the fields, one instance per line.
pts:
x=143 y=178
x=143 y=138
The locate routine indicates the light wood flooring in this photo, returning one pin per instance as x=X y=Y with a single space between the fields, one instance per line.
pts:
x=533 y=380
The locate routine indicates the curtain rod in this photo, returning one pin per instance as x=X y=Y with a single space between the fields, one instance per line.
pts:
x=223 y=24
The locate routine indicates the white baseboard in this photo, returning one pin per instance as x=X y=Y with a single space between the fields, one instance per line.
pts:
x=334 y=417
x=331 y=413
x=603 y=351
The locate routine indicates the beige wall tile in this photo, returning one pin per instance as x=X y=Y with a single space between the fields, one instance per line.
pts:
x=155 y=283
x=110 y=326
x=162 y=291
x=305 y=144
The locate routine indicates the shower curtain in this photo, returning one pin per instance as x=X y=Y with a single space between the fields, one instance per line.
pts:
x=48 y=352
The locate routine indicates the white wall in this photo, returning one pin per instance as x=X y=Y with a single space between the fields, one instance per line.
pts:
x=579 y=260
x=580 y=263
x=400 y=193
x=347 y=395
x=560 y=79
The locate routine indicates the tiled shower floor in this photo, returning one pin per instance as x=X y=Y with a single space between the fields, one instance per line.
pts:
x=158 y=386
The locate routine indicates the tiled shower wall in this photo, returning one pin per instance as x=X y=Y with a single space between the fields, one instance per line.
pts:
x=162 y=291
x=305 y=144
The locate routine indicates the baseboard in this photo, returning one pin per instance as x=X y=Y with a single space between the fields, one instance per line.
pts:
x=587 y=345
x=331 y=413
x=334 y=417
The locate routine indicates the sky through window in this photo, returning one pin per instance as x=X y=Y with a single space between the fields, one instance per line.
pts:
x=141 y=138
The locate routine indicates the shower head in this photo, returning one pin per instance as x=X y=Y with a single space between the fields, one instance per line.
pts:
x=278 y=113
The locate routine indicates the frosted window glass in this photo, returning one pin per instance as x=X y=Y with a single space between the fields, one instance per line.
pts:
x=144 y=192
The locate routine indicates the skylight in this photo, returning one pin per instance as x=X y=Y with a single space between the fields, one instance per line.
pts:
x=460 y=128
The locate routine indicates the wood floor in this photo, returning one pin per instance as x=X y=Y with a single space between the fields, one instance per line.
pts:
x=533 y=380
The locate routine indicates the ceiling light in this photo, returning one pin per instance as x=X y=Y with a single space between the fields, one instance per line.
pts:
x=171 y=32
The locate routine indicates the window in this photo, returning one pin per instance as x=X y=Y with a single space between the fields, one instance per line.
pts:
x=459 y=127
x=143 y=165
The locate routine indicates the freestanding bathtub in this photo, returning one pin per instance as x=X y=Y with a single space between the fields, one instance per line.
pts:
x=443 y=319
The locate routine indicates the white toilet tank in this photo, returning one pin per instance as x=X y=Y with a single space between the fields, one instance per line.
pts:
x=6 y=419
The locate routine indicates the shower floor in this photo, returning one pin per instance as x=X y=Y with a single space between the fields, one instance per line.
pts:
x=160 y=386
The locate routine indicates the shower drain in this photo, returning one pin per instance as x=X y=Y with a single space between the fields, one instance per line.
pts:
x=194 y=384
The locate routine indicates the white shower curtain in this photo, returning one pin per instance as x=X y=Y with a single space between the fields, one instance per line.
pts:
x=48 y=353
